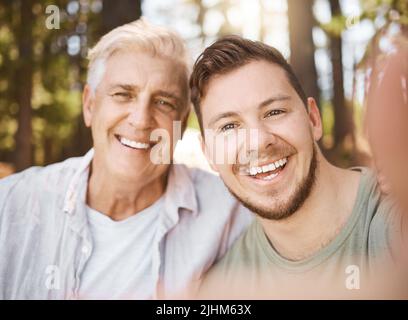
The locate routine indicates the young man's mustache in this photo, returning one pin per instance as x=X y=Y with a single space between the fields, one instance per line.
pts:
x=271 y=154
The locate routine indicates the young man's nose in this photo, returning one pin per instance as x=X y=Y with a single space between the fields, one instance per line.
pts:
x=258 y=142
x=264 y=138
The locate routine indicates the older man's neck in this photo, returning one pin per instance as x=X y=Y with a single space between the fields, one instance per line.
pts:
x=120 y=199
x=320 y=219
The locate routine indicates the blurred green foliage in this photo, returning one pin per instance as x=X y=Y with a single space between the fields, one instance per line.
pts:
x=58 y=75
x=59 y=70
x=375 y=10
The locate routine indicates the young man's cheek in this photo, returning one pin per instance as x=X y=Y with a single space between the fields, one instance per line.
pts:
x=218 y=149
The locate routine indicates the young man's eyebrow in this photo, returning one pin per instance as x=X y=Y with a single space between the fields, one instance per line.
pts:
x=221 y=116
x=272 y=100
x=261 y=105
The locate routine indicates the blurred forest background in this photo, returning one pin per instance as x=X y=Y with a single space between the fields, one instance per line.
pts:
x=43 y=69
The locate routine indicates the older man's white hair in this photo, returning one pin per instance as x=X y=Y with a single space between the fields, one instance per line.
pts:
x=141 y=36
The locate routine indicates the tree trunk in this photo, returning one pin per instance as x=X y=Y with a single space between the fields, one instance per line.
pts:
x=24 y=75
x=343 y=121
x=116 y=13
x=302 y=49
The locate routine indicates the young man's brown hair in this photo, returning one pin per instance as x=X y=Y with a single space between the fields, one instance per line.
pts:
x=230 y=53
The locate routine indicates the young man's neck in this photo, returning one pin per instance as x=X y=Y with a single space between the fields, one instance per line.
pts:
x=320 y=218
x=120 y=198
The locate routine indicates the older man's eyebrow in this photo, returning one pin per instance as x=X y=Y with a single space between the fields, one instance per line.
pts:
x=272 y=100
x=127 y=87
x=220 y=116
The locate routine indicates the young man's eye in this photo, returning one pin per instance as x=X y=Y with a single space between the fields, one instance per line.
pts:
x=274 y=112
x=228 y=126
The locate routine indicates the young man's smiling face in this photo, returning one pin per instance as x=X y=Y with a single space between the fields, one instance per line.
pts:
x=280 y=173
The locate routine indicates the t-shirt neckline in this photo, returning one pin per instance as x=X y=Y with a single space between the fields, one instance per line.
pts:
x=328 y=250
x=98 y=218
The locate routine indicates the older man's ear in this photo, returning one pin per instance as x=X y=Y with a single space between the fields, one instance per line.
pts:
x=87 y=104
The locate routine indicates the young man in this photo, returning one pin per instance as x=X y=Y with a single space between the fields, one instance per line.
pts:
x=319 y=229
x=122 y=222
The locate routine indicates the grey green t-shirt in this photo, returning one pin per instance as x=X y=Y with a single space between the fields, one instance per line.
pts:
x=254 y=269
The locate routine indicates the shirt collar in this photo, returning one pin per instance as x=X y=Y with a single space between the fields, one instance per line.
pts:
x=180 y=191
x=76 y=184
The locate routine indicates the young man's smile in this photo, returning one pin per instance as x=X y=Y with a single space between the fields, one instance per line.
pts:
x=265 y=173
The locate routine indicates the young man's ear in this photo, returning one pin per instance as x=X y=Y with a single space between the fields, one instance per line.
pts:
x=315 y=119
x=88 y=102
x=207 y=154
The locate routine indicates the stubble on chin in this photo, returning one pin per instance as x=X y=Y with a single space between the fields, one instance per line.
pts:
x=296 y=200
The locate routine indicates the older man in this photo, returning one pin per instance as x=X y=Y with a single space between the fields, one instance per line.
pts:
x=122 y=221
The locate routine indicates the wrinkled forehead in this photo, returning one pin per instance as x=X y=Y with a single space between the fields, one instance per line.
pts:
x=142 y=68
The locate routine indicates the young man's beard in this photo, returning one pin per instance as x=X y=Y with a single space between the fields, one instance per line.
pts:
x=294 y=203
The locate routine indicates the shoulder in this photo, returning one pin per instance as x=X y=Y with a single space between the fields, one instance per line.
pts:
x=219 y=218
x=212 y=197
x=369 y=197
x=241 y=262
x=380 y=219
x=243 y=253
x=37 y=179
x=208 y=187
x=202 y=179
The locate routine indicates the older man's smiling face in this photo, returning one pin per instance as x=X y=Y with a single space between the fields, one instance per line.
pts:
x=258 y=96
x=137 y=94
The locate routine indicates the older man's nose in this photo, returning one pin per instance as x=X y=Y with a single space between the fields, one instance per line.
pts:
x=140 y=115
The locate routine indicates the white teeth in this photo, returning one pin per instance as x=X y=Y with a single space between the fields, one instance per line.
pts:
x=133 y=144
x=266 y=168
x=270 y=177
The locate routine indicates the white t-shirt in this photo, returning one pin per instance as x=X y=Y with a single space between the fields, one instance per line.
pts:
x=120 y=266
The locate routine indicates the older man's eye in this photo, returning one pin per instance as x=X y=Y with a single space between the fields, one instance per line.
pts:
x=165 y=105
x=122 y=96
x=228 y=126
x=274 y=112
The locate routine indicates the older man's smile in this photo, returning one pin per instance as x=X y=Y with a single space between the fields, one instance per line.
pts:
x=133 y=144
